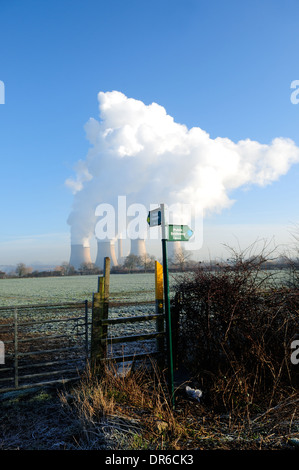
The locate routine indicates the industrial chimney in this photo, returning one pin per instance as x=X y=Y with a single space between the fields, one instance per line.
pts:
x=120 y=251
x=138 y=247
x=175 y=250
x=106 y=249
x=80 y=254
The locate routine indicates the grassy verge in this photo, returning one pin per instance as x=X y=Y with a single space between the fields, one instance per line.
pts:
x=133 y=412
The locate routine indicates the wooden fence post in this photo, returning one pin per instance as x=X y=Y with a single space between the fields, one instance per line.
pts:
x=106 y=278
x=100 y=309
x=159 y=310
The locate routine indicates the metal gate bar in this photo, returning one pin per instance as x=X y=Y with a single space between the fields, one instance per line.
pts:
x=75 y=356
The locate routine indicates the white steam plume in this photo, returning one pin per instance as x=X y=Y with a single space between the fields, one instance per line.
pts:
x=139 y=151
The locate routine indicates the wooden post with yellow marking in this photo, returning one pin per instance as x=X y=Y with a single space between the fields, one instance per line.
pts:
x=159 y=310
x=100 y=307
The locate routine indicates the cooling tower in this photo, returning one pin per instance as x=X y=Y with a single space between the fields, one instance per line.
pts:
x=79 y=255
x=138 y=247
x=174 y=250
x=120 y=251
x=106 y=249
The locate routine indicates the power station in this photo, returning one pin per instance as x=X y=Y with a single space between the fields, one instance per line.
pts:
x=138 y=247
x=106 y=248
x=111 y=246
x=80 y=254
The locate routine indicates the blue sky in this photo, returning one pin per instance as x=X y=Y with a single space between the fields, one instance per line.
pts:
x=225 y=67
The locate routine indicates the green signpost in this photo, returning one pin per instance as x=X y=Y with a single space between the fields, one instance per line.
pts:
x=179 y=233
x=169 y=233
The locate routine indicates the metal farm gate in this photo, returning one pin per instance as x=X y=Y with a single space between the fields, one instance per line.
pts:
x=47 y=344
x=43 y=344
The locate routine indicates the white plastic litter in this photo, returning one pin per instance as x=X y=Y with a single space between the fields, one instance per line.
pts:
x=194 y=393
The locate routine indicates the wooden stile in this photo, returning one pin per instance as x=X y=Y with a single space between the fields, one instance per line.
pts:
x=100 y=321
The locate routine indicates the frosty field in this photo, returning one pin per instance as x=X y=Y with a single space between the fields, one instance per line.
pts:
x=49 y=290
x=30 y=291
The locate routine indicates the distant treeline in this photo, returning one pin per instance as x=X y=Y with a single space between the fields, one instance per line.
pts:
x=136 y=264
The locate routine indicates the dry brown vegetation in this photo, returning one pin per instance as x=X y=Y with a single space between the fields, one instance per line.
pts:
x=243 y=325
x=134 y=412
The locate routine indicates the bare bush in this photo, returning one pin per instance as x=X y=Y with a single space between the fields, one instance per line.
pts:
x=234 y=332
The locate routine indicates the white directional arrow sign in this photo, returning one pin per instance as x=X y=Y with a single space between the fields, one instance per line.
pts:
x=154 y=217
